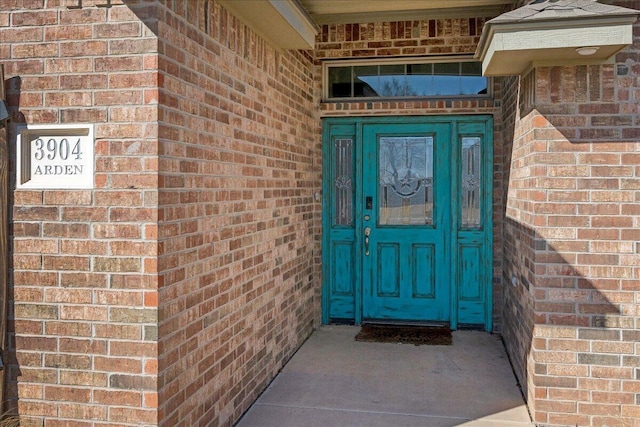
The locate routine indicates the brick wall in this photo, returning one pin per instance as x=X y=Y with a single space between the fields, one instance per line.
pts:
x=518 y=236
x=176 y=289
x=572 y=242
x=82 y=343
x=239 y=232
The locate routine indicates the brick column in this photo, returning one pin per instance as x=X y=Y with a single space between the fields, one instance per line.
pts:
x=573 y=254
x=83 y=326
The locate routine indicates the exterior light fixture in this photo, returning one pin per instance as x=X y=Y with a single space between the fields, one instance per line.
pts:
x=587 y=50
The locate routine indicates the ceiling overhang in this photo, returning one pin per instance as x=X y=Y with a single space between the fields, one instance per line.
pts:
x=514 y=43
x=283 y=22
x=543 y=32
x=293 y=24
x=359 y=11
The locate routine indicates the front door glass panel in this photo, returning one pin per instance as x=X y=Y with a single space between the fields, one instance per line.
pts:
x=405 y=180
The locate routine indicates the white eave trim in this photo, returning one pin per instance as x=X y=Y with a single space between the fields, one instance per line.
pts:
x=513 y=48
x=284 y=23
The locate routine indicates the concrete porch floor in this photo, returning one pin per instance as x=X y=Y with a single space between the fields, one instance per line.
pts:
x=335 y=381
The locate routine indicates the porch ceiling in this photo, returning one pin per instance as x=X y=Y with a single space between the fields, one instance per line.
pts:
x=349 y=11
x=293 y=24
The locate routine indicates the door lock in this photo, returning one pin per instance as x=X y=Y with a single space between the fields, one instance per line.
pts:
x=367 y=233
x=368 y=203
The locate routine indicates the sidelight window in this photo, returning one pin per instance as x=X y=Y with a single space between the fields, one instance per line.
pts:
x=470 y=177
x=343 y=170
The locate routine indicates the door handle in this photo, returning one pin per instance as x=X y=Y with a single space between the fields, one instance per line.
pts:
x=367 y=233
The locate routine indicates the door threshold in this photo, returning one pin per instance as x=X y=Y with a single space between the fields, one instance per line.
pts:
x=386 y=322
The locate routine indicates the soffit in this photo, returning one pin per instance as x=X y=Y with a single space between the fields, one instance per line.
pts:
x=283 y=22
x=293 y=24
x=354 y=11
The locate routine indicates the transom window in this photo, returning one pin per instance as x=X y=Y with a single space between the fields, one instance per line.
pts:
x=415 y=79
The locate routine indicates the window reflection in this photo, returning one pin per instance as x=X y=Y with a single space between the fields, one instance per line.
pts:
x=407 y=80
x=340 y=82
x=365 y=81
x=343 y=182
x=405 y=181
x=471 y=181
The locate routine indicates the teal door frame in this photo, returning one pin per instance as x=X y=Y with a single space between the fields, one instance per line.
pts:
x=470 y=269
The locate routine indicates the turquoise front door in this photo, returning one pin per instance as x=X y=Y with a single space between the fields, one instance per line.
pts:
x=407 y=220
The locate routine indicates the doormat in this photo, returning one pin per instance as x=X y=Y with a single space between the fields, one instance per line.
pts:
x=401 y=334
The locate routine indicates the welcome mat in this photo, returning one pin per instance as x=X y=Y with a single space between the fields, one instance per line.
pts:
x=401 y=334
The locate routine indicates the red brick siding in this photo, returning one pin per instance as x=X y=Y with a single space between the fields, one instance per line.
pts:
x=518 y=237
x=442 y=36
x=82 y=345
x=571 y=241
x=239 y=231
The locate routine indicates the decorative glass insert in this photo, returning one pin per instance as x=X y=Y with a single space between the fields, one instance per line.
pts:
x=406 y=80
x=405 y=180
x=470 y=180
x=343 y=182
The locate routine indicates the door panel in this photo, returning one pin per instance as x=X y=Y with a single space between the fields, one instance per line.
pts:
x=409 y=212
x=472 y=189
x=424 y=267
x=388 y=283
x=470 y=254
x=342 y=254
x=341 y=266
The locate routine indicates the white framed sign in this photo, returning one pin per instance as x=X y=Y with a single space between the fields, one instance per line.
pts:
x=55 y=157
